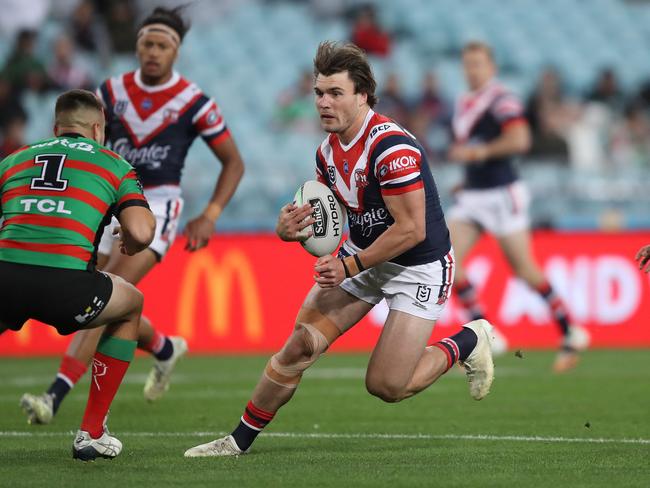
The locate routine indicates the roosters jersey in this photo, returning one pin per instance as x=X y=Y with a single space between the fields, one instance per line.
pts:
x=153 y=127
x=383 y=159
x=479 y=118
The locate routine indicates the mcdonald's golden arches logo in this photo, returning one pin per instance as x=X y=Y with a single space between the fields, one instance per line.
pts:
x=233 y=269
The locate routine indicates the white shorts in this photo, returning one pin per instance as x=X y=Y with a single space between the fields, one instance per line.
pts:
x=499 y=211
x=420 y=290
x=166 y=204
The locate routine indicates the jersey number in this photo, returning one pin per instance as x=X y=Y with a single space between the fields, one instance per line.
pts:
x=50 y=178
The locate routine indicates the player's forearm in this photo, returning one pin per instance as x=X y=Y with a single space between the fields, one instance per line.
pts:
x=137 y=233
x=398 y=238
x=225 y=188
x=510 y=143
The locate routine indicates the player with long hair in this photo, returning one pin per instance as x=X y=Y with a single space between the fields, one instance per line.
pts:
x=398 y=249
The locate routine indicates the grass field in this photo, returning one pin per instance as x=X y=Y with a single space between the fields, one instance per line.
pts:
x=589 y=428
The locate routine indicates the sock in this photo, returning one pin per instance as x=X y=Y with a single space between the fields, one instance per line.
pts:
x=458 y=346
x=70 y=372
x=160 y=346
x=558 y=309
x=110 y=363
x=469 y=299
x=250 y=425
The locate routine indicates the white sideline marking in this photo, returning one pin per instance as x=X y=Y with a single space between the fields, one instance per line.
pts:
x=317 y=373
x=137 y=395
x=323 y=435
x=12 y=398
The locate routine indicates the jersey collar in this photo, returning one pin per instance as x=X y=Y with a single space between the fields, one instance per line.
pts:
x=489 y=85
x=152 y=89
x=360 y=133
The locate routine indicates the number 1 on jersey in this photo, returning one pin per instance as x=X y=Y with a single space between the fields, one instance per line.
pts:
x=50 y=178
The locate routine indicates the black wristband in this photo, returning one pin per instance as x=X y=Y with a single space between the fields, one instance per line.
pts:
x=358 y=261
x=347 y=271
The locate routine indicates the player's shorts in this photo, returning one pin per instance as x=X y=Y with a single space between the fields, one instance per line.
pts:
x=67 y=299
x=421 y=290
x=500 y=211
x=166 y=204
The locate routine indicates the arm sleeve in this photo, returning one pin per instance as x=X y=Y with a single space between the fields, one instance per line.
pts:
x=130 y=193
x=508 y=109
x=397 y=162
x=208 y=122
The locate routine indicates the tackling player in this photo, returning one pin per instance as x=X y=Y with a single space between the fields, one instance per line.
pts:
x=398 y=249
x=57 y=195
x=154 y=115
x=490 y=130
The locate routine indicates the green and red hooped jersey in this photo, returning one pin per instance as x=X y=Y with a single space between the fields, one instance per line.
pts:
x=56 y=197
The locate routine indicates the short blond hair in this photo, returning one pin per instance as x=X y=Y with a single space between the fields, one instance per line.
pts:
x=78 y=107
x=480 y=46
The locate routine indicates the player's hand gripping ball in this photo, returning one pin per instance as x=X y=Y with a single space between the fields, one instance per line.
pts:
x=329 y=217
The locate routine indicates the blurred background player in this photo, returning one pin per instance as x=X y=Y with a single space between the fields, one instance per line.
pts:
x=153 y=116
x=490 y=131
x=398 y=249
x=57 y=195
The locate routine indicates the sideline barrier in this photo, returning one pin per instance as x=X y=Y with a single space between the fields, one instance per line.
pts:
x=242 y=293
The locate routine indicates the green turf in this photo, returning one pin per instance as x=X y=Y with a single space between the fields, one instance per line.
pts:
x=610 y=391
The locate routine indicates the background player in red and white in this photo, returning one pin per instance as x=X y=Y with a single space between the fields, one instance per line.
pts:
x=398 y=249
x=490 y=131
x=153 y=116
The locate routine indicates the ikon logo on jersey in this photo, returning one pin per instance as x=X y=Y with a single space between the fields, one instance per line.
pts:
x=320 y=216
x=402 y=164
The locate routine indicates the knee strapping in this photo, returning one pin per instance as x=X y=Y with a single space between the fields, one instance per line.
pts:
x=320 y=332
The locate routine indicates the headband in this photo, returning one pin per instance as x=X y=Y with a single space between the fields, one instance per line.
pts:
x=161 y=29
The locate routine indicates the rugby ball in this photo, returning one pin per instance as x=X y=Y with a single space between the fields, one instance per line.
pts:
x=329 y=215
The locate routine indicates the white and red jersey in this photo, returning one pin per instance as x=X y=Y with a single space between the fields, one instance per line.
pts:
x=152 y=127
x=383 y=159
x=480 y=117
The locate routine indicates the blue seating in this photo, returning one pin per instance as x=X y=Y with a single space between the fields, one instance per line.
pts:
x=247 y=53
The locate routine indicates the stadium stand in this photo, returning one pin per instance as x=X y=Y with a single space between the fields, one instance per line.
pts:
x=246 y=53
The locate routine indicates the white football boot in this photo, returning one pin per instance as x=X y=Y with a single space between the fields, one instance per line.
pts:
x=225 y=446
x=39 y=408
x=568 y=357
x=160 y=375
x=478 y=365
x=499 y=343
x=85 y=448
